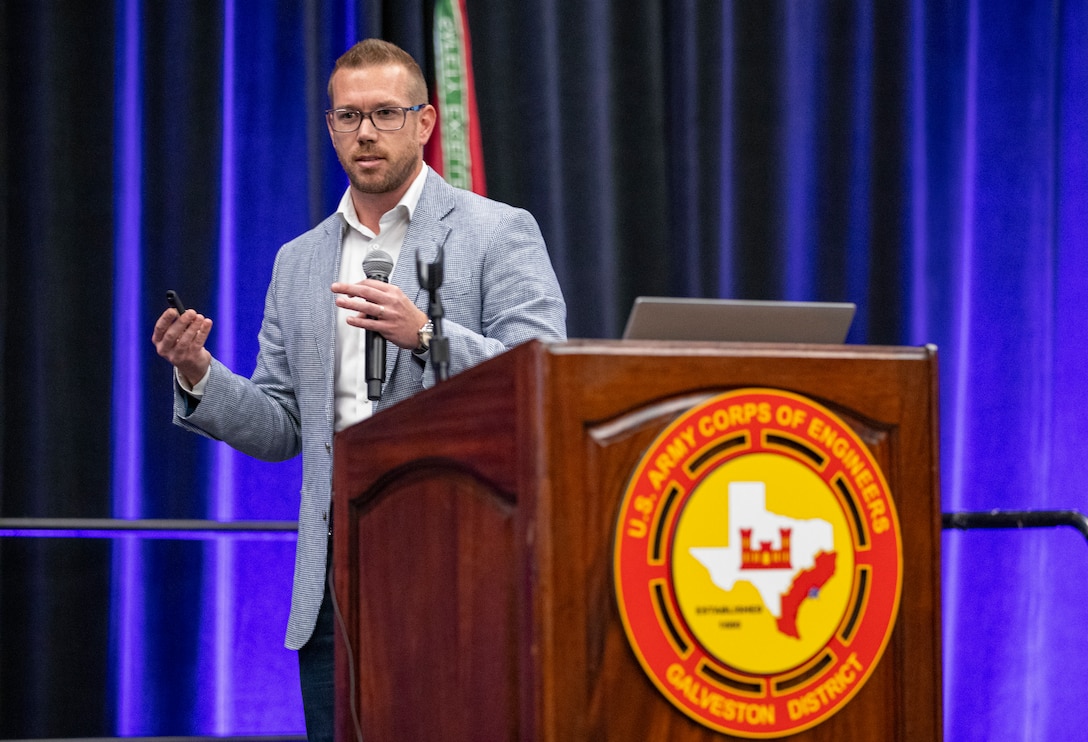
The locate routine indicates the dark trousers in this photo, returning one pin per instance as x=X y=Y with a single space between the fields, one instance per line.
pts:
x=315 y=666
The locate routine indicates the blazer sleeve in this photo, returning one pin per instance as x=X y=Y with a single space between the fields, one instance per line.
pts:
x=259 y=415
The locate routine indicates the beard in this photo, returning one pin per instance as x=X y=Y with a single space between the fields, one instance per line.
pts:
x=398 y=168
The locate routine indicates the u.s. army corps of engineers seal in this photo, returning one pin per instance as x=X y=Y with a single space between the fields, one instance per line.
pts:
x=758 y=563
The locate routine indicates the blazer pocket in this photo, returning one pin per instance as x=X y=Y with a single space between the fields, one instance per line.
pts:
x=457 y=286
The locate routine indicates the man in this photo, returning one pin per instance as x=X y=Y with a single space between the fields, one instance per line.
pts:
x=499 y=291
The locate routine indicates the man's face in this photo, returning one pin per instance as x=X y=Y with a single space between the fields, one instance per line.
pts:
x=379 y=162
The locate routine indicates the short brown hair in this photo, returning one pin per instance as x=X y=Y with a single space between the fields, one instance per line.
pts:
x=376 y=53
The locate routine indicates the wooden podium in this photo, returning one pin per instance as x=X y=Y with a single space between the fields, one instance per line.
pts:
x=475 y=522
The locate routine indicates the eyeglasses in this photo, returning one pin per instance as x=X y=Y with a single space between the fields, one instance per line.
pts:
x=389 y=118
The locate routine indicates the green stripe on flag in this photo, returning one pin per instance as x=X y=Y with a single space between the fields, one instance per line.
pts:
x=452 y=82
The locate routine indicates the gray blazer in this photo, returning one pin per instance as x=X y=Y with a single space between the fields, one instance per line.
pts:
x=499 y=290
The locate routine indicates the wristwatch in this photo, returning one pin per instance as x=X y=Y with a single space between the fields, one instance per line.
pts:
x=425 y=334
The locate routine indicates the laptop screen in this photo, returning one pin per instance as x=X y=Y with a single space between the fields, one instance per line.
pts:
x=736 y=320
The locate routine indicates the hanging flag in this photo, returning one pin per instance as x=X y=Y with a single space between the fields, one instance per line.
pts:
x=456 y=148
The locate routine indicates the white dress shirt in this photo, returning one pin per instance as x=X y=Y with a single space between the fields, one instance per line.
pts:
x=350 y=401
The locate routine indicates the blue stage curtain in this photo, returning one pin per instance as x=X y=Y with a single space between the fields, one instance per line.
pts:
x=221 y=156
x=1000 y=273
x=927 y=160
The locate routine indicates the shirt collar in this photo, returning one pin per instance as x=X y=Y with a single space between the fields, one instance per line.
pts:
x=409 y=201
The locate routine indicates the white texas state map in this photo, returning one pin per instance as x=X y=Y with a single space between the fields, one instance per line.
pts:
x=809 y=541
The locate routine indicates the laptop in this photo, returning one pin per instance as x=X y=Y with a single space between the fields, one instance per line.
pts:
x=735 y=320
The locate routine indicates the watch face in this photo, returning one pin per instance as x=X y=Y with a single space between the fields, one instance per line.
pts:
x=425 y=334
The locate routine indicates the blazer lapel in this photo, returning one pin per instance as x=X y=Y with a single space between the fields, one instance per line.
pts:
x=426 y=233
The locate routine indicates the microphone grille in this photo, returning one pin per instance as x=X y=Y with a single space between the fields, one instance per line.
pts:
x=378 y=264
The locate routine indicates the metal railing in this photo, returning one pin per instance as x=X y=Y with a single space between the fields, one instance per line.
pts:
x=145 y=528
x=991 y=519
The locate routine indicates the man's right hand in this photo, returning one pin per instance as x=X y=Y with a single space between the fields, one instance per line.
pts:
x=180 y=340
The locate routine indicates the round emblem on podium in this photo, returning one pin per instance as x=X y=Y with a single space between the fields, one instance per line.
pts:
x=758 y=563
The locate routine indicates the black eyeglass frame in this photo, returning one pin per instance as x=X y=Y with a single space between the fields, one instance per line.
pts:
x=363 y=115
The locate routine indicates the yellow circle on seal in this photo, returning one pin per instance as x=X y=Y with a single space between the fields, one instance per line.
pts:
x=740 y=619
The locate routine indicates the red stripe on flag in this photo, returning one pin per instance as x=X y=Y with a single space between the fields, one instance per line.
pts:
x=432 y=150
x=475 y=138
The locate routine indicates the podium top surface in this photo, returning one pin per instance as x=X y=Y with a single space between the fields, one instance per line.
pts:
x=666 y=348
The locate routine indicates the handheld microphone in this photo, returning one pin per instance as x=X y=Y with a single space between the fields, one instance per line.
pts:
x=377 y=265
